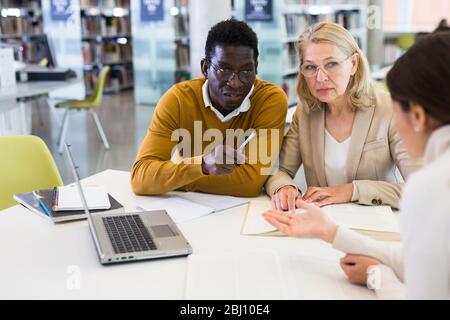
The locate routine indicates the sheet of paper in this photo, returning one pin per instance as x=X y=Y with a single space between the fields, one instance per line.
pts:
x=216 y=202
x=255 y=223
x=353 y=216
x=266 y=274
x=179 y=209
x=373 y=218
x=69 y=198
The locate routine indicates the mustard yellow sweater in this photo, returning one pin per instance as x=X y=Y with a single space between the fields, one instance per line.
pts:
x=156 y=172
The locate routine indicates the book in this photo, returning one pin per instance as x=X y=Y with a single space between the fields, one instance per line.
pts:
x=29 y=201
x=378 y=222
x=186 y=206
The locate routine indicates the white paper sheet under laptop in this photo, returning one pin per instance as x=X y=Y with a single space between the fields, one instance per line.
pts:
x=267 y=275
x=378 y=222
x=186 y=206
x=122 y=237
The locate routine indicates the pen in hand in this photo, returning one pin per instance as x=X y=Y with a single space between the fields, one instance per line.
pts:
x=250 y=137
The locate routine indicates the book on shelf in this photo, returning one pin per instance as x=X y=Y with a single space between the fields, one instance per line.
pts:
x=378 y=222
x=47 y=196
x=294 y=24
x=289 y=56
x=182 y=56
x=349 y=19
x=89 y=25
x=181 y=25
x=290 y=88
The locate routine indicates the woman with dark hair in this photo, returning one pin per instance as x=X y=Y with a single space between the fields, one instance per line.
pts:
x=418 y=83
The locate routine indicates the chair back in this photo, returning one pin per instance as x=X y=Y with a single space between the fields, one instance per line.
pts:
x=96 y=97
x=26 y=164
x=406 y=41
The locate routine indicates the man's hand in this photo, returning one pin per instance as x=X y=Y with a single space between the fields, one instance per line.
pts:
x=222 y=160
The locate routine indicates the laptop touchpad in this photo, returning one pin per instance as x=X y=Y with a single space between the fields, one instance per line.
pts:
x=163 y=231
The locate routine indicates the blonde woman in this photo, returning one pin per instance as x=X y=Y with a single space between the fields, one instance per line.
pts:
x=342 y=132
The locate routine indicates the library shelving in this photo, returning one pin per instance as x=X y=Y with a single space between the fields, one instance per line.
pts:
x=21 y=27
x=278 y=60
x=162 y=59
x=106 y=40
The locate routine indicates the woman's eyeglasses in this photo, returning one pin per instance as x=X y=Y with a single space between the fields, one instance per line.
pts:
x=330 y=68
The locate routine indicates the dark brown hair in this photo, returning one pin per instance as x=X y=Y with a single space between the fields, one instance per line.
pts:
x=443 y=26
x=422 y=76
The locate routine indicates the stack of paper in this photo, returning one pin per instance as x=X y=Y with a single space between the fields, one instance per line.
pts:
x=68 y=198
x=267 y=275
x=378 y=222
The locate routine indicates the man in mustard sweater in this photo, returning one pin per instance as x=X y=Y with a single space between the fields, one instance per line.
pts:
x=194 y=142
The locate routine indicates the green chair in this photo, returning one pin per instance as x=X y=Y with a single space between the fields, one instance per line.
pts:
x=89 y=104
x=406 y=41
x=25 y=165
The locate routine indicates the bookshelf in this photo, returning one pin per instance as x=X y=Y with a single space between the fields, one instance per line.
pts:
x=21 y=27
x=106 y=40
x=278 y=60
x=162 y=59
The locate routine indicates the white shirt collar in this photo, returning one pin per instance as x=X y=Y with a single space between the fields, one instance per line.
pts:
x=244 y=107
x=437 y=144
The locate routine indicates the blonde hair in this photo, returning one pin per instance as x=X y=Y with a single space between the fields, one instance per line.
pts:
x=360 y=90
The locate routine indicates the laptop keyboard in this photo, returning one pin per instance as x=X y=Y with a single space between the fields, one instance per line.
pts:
x=128 y=234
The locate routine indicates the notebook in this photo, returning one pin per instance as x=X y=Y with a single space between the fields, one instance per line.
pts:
x=67 y=198
x=29 y=201
x=186 y=206
x=378 y=222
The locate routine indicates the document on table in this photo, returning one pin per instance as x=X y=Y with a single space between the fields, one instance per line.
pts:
x=186 y=206
x=67 y=198
x=376 y=221
x=266 y=274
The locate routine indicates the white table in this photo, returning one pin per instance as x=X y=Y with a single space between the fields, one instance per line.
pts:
x=40 y=259
x=33 y=88
x=13 y=102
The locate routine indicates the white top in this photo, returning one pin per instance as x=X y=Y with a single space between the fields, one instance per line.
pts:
x=424 y=262
x=336 y=154
x=244 y=107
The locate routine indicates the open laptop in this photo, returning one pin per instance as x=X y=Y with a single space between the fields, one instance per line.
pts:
x=123 y=237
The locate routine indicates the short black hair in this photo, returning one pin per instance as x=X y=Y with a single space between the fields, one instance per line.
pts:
x=231 y=32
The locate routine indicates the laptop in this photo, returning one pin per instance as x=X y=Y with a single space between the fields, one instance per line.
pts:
x=124 y=237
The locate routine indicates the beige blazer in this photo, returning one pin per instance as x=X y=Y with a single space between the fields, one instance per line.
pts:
x=374 y=152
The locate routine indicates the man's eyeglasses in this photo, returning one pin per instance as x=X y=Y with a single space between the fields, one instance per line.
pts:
x=223 y=74
x=330 y=68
